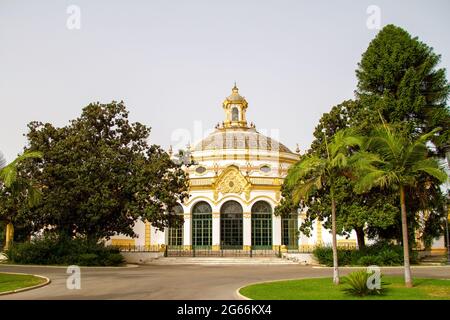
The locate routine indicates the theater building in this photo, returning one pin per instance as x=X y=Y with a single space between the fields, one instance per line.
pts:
x=234 y=189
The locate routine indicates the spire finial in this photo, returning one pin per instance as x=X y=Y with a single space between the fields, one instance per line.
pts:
x=235 y=88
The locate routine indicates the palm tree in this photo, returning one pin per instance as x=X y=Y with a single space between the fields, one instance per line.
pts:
x=389 y=160
x=313 y=172
x=9 y=178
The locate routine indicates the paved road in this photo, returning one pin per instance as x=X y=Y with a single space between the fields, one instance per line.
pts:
x=177 y=281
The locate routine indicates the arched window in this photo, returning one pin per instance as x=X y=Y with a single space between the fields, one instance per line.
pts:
x=261 y=225
x=176 y=231
x=235 y=114
x=289 y=231
x=202 y=225
x=231 y=225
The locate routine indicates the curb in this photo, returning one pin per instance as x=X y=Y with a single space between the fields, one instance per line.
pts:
x=47 y=282
x=239 y=296
x=129 y=265
x=242 y=297
x=382 y=267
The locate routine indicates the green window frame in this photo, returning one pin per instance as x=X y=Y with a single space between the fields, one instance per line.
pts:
x=202 y=225
x=231 y=225
x=261 y=225
x=289 y=231
x=176 y=232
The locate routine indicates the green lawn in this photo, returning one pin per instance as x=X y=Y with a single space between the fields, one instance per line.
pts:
x=10 y=282
x=324 y=289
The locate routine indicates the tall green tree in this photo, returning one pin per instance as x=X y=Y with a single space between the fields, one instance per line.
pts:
x=390 y=160
x=399 y=77
x=15 y=191
x=313 y=172
x=101 y=175
x=370 y=213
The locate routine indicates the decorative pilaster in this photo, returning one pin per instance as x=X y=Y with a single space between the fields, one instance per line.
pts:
x=247 y=230
x=276 y=231
x=319 y=239
x=187 y=232
x=147 y=234
x=215 y=231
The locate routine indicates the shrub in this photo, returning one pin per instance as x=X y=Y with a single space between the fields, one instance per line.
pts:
x=369 y=260
x=325 y=255
x=382 y=254
x=63 y=251
x=357 y=284
x=389 y=257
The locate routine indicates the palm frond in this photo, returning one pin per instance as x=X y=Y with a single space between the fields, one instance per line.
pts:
x=375 y=178
x=385 y=143
x=302 y=169
x=34 y=196
x=8 y=174
x=418 y=150
x=303 y=190
x=343 y=139
x=431 y=167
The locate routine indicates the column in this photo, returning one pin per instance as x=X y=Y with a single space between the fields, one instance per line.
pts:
x=147 y=234
x=319 y=238
x=187 y=231
x=215 y=231
x=247 y=230
x=276 y=232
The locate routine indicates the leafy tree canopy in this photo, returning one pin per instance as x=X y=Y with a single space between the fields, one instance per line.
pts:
x=399 y=77
x=99 y=175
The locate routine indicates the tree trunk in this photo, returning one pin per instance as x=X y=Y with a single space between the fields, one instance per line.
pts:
x=360 y=236
x=9 y=235
x=333 y=231
x=408 y=281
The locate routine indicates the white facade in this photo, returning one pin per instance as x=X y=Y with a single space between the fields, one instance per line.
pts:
x=234 y=189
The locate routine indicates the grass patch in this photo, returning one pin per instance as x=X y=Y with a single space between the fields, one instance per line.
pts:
x=324 y=289
x=10 y=282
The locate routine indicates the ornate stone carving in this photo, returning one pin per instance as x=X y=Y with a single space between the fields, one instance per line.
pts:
x=232 y=181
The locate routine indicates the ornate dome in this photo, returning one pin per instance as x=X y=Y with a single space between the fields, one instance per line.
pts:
x=235 y=133
x=240 y=138
x=235 y=96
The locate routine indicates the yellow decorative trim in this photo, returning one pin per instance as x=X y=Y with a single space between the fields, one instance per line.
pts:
x=216 y=215
x=276 y=247
x=247 y=215
x=9 y=235
x=231 y=180
x=438 y=250
x=252 y=188
x=246 y=247
x=319 y=240
x=307 y=247
x=199 y=198
x=278 y=196
x=248 y=157
x=283 y=248
x=187 y=247
x=147 y=234
x=123 y=242
x=215 y=247
x=347 y=243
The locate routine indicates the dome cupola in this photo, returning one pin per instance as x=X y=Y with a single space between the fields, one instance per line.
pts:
x=235 y=107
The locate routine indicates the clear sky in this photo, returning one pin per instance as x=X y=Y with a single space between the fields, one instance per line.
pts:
x=173 y=62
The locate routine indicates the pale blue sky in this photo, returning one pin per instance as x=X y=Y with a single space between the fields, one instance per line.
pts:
x=173 y=62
